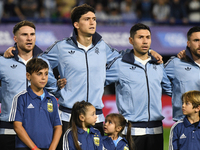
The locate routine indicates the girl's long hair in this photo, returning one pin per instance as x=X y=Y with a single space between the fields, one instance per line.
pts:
x=78 y=109
x=119 y=120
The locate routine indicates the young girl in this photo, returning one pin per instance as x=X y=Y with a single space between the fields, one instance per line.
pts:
x=113 y=127
x=81 y=135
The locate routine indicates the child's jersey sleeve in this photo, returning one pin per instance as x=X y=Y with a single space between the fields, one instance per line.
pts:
x=17 y=109
x=68 y=143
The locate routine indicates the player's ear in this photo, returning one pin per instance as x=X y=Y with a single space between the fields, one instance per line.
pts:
x=131 y=40
x=118 y=128
x=76 y=25
x=28 y=76
x=188 y=43
x=198 y=109
x=82 y=117
x=15 y=38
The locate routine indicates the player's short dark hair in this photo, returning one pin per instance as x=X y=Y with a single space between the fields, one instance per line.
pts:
x=35 y=65
x=192 y=30
x=78 y=11
x=21 y=24
x=136 y=27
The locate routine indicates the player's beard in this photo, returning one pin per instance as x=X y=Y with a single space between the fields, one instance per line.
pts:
x=26 y=50
x=196 y=53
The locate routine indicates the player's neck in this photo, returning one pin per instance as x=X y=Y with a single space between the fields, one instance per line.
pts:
x=141 y=56
x=193 y=118
x=37 y=91
x=114 y=136
x=84 y=127
x=25 y=55
x=196 y=58
x=85 y=41
x=197 y=61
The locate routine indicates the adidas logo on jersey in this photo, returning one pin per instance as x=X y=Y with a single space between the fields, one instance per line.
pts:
x=133 y=68
x=188 y=69
x=13 y=66
x=71 y=52
x=183 y=136
x=30 y=106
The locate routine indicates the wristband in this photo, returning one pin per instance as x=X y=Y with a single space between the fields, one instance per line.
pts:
x=34 y=147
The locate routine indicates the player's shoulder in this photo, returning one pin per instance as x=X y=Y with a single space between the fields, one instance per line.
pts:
x=21 y=95
x=171 y=60
x=95 y=130
x=52 y=97
x=179 y=124
x=2 y=58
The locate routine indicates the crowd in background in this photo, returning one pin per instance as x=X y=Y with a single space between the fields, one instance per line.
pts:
x=115 y=12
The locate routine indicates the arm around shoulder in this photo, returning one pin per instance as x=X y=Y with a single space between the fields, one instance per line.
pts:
x=112 y=70
x=170 y=67
x=8 y=53
x=166 y=84
x=157 y=56
x=111 y=54
x=52 y=54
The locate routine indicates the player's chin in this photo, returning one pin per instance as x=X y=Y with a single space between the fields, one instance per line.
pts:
x=184 y=113
x=105 y=131
x=91 y=32
x=145 y=50
x=29 y=48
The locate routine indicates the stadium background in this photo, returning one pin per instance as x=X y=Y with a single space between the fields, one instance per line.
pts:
x=167 y=38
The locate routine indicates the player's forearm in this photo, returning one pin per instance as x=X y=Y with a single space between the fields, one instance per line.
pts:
x=22 y=134
x=56 y=137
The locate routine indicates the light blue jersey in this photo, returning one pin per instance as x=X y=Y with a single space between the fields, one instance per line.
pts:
x=13 y=80
x=138 y=92
x=85 y=72
x=184 y=76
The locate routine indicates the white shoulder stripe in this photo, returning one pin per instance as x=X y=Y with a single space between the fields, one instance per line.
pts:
x=65 y=140
x=50 y=47
x=171 y=134
x=51 y=95
x=14 y=106
x=169 y=61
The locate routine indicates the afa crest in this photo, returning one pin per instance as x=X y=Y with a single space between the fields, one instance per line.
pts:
x=126 y=148
x=97 y=50
x=50 y=106
x=154 y=67
x=96 y=141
